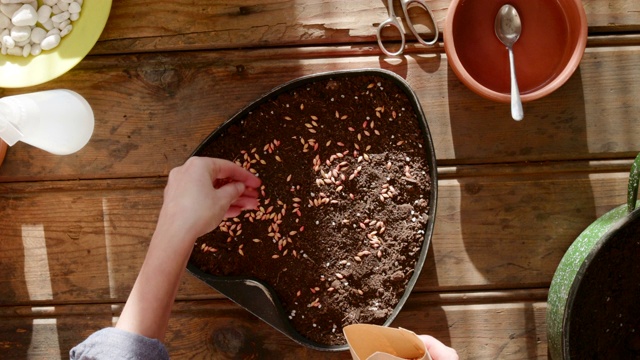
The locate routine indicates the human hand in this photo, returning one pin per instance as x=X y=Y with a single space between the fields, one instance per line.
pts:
x=438 y=350
x=194 y=202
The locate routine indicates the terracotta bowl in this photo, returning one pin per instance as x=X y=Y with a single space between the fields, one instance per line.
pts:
x=549 y=50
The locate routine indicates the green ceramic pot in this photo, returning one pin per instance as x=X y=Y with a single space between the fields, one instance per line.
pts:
x=576 y=262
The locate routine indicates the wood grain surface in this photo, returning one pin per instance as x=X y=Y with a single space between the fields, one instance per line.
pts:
x=512 y=195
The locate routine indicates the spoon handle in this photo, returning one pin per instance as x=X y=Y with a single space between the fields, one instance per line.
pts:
x=516 y=104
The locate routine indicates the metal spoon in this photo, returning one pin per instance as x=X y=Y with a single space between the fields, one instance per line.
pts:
x=508 y=28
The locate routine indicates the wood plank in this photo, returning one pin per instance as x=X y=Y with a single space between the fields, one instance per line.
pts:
x=500 y=325
x=493 y=231
x=153 y=110
x=139 y=26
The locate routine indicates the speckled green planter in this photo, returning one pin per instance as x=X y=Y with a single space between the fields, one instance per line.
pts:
x=575 y=262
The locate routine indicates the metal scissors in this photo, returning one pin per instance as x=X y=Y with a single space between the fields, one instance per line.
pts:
x=392 y=21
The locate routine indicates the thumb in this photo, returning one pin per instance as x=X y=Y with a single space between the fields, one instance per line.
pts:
x=230 y=192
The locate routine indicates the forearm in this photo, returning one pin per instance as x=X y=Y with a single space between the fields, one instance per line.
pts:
x=149 y=305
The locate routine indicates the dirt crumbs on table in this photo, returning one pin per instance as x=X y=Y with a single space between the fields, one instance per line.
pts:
x=343 y=205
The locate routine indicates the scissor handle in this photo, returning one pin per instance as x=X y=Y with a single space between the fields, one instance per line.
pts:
x=406 y=4
x=393 y=22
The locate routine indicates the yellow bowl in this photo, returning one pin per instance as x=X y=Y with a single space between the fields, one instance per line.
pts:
x=18 y=71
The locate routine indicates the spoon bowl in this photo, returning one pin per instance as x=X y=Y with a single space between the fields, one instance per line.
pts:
x=508 y=28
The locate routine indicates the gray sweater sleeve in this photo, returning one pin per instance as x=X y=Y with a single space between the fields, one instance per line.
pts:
x=112 y=343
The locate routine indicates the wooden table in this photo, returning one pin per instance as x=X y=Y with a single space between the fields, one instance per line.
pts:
x=512 y=195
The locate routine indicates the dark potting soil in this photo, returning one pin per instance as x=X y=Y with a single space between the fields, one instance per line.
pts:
x=605 y=320
x=343 y=206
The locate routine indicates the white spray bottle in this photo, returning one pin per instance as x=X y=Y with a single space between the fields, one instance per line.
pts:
x=58 y=121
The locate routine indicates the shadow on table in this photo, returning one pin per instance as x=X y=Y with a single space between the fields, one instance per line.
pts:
x=516 y=227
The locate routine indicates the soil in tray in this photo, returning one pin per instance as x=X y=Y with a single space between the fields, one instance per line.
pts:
x=343 y=206
x=605 y=320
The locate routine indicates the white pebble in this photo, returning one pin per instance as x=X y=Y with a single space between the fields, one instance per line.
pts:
x=53 y=31
x=63 y=24
x=26 y=50
x=64 y=32
x=9 y=9
x=44 y=13
x=4 y=21
x=15 y=51
x=50 y=42
x=27 y=27
x=74 y=8
x=48 y=25
x=36 y=49
x=26 y=15
x=61 y=17
x=37 y=34
x=20 y=33
x=8 y=42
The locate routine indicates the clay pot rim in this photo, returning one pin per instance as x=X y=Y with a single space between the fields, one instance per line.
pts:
x=546 y=89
